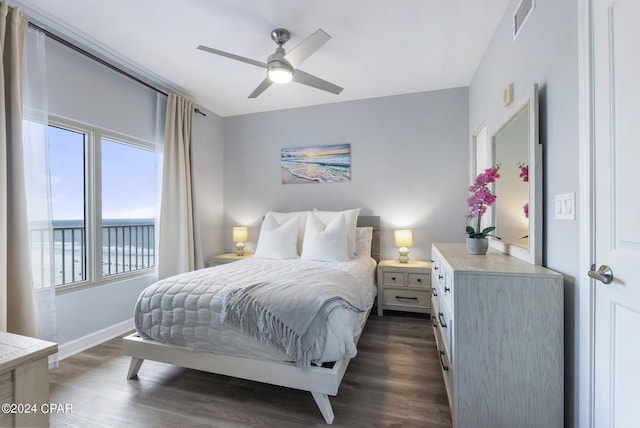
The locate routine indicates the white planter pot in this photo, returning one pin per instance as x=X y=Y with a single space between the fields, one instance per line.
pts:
x=477 y=246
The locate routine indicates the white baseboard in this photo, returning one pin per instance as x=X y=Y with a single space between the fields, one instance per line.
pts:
x=89 y=341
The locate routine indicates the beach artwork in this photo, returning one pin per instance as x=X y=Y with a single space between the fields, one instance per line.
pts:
x=318 y=164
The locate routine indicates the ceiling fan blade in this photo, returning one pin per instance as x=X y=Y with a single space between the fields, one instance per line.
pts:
x=233 y=56
x=315 y=82
x=308 y=46
x=261 y=87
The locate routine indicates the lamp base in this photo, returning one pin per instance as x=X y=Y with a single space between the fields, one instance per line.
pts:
x=404 y=255
x=240 y=249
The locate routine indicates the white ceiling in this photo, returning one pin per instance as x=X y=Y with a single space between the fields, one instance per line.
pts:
x=378 y=47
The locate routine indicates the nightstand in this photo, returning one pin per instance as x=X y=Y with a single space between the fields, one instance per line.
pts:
x=221 y=259
x=404 y=286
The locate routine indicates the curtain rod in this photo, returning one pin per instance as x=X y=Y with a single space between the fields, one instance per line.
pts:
x=100 y=60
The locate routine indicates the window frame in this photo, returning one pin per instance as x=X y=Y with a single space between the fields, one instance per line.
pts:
x=93 y=201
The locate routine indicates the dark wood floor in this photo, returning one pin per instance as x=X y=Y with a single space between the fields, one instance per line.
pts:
x=395 y=381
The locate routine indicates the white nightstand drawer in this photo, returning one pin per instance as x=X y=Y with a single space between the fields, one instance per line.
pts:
x=397 y=279
x=419 y=280
x=407 y=298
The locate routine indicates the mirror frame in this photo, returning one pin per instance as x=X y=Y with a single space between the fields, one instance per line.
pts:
x=533 y=254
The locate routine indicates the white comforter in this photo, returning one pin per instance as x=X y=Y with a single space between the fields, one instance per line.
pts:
x=164 y=312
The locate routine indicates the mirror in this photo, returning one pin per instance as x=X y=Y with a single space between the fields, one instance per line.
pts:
x=517 y=213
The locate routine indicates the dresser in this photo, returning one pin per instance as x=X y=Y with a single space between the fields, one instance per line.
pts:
x=498 y=324
x=24 y=381
x=404 y=286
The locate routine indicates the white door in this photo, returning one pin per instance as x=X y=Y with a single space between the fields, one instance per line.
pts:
x=616 y=91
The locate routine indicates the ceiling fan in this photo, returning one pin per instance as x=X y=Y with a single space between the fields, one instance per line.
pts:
x=283 y=67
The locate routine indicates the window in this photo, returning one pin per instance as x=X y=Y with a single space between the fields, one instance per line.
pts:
x=128 y=207
x=103 y=190
x=67 y=177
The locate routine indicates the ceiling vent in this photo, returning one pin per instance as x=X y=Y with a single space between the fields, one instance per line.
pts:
x=523 y=11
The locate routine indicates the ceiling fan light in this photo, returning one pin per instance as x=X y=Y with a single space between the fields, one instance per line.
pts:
x=280 y=75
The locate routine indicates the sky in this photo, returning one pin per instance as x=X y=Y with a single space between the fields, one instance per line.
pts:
x=128 y=178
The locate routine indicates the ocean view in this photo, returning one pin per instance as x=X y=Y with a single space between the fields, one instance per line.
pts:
x=127 y=245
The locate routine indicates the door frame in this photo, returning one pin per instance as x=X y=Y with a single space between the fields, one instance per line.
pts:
x=584 y=383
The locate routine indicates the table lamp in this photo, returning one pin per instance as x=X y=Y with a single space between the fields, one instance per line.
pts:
x=240 y=235
x=403 y=239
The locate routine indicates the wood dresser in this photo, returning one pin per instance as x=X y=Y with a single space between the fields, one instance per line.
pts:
x=24 y=380
x=499 y=328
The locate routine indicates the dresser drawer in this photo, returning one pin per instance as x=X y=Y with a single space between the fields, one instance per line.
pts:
x=406 y=298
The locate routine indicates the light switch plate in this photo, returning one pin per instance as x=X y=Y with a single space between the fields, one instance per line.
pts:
x=565 y=208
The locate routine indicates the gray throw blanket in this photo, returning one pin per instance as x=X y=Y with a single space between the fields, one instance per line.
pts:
x=288 y=312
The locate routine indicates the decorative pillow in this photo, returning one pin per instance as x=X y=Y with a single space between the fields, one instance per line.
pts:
x=364 y=235
x=325 y=242
x=302 y=221
x=351 y=218
x=277 y=241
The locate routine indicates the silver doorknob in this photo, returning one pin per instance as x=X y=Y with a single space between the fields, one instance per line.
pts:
x=604 y=274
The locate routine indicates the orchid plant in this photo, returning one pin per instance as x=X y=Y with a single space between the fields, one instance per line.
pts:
x=481 y=198
x=524 y=174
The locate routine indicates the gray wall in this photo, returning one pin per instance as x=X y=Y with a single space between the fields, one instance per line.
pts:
x=409 y=165
x=83 y=90
x=545 y=52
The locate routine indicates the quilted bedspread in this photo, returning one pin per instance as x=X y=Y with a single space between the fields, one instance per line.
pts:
x=185 y=310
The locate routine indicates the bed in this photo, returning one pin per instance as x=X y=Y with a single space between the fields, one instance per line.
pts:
x=224 y=345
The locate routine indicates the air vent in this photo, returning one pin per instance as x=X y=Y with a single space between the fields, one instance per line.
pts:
x=522 y=14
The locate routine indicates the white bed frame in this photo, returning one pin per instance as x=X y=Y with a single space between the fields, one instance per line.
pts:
x=320 y=381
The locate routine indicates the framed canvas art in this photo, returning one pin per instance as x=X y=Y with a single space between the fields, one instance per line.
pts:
x=316 y=164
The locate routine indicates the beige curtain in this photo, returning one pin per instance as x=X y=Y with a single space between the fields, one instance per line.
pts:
x=176 y=242
x=17 y=307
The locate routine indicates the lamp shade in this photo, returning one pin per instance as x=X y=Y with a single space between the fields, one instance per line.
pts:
x=240 y=234
x=403 y=238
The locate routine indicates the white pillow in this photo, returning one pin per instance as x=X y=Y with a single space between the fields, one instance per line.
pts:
x=302 y=221
x=277 y=241
x=364 y=235
x=325 y=242
x=351 y=218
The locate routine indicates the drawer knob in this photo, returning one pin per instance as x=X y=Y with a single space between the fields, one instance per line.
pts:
x=435 y=267
x=446 y=289
x=393 y=278
x=440 y=276
x=419 y=280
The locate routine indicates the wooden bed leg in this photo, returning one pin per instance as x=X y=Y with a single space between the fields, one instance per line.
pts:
x=134 y=367
x=322 y=400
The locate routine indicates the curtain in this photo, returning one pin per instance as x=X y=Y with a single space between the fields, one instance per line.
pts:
x=17 y=306
x=38 y=186
x=176 y=242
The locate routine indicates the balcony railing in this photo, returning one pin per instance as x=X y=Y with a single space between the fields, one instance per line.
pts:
x=125 y=248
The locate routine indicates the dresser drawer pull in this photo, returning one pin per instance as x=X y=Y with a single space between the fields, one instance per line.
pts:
x=407 y=298
x=434 y=292
x=419 y=280
x=435 y=268
x=444 y=366
x=393 y=278
x=443 y=324
x=440 y=276
x=434 y=322
x=446 y=289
